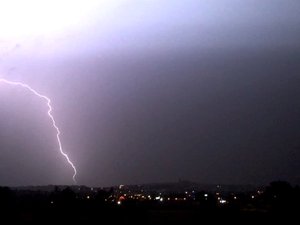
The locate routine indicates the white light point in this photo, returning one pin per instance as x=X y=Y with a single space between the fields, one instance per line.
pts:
x=48 y=101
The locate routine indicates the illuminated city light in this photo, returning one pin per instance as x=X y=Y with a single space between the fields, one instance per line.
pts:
x=222 y=201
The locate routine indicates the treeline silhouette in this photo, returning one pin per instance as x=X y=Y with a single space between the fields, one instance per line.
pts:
x=277 y=201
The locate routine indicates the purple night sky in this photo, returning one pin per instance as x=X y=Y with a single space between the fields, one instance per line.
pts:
x=151 y=91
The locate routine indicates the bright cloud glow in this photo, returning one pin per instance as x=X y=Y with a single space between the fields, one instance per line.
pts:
x=21 y=18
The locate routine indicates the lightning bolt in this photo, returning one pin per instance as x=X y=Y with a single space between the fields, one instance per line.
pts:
x=48 y=101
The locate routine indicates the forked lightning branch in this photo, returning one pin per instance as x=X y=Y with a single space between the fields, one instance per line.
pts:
x=48 y=102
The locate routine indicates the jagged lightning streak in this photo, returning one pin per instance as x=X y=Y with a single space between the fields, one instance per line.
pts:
x=49 y=114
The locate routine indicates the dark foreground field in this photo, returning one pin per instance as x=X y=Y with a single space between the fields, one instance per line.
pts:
x=140 y=215
x=277 y=203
